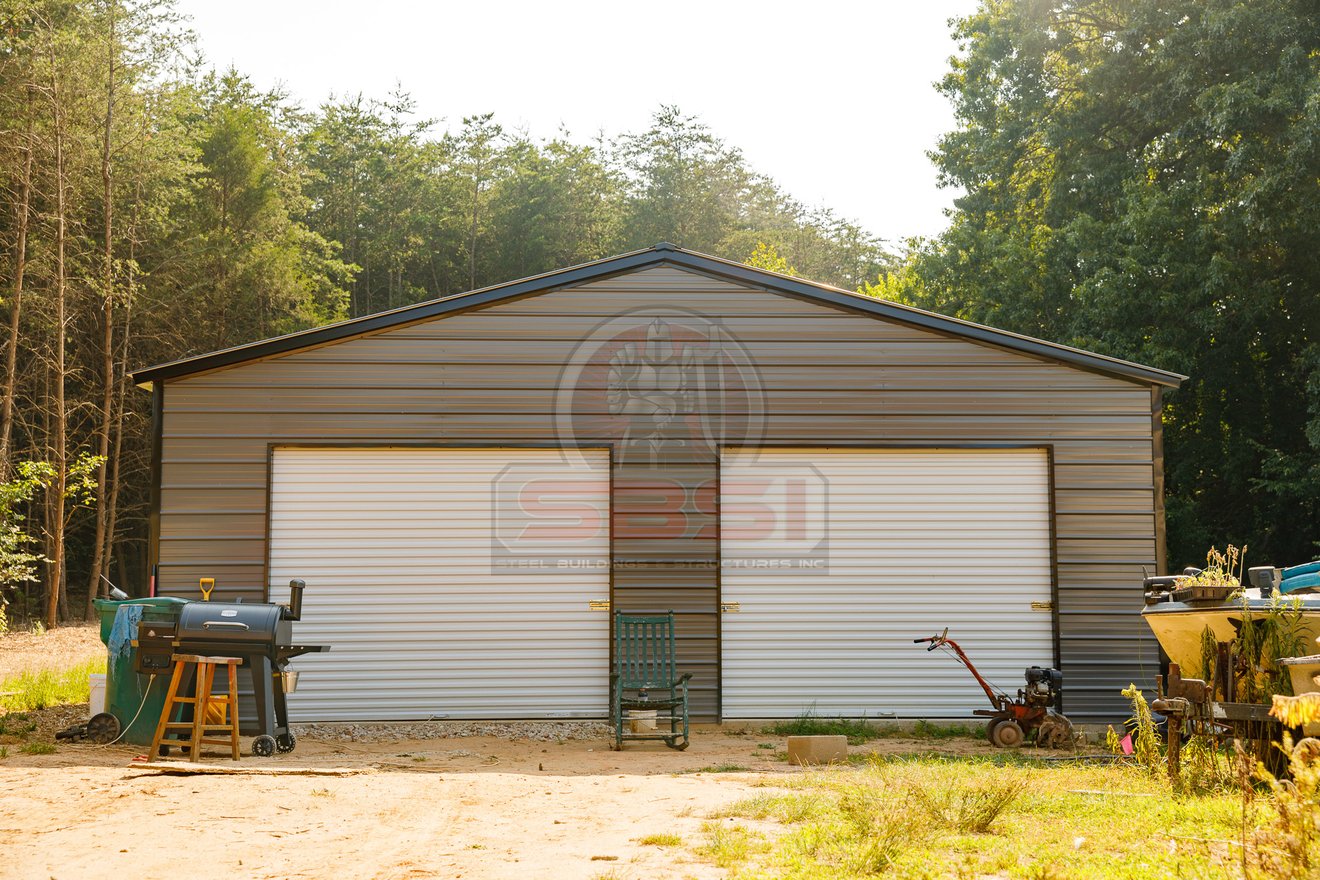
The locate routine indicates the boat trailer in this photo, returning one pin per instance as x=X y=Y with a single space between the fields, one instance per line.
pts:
x=1013 y=719
x=1216 y=707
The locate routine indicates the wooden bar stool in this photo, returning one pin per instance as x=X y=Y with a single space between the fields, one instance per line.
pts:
x=201 y=701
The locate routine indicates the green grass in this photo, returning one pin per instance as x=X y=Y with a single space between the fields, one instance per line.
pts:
x=16 y=725
x=41 y=690
x=719 y=768
x=661 y=840
x=858 y=730
x=38 y=748
x=925 y=817
x=932 y=730
x=731 y=845
x=861 y=730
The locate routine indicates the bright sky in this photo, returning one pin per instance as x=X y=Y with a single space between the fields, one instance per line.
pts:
x=832 y=99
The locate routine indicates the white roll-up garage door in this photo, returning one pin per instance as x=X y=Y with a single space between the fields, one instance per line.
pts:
x=835 y=559
x=450 y=583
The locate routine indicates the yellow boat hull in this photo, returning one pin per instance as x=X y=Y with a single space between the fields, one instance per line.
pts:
x=1178 y=625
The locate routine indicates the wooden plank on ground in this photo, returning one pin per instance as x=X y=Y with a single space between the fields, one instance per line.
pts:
x=189 y=768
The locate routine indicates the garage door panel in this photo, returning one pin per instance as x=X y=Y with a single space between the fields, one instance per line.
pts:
x=912 y=541
x=407 y=583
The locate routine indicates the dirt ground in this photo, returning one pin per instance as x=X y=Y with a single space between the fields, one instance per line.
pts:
x=477 y=808
x=59 y=648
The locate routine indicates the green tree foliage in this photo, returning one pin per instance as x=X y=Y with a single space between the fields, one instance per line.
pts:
x=251 y=266
x=685 y=184
x=767 y=257
x=1143 y=179
x=18 y=564
x=559 y=205
x=20 y=496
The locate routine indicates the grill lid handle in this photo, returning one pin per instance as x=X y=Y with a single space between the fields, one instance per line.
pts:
x=234 y=624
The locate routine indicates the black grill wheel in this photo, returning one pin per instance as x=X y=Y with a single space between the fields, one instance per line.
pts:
x=285 y=742
x=263 y=746
x=103 y=728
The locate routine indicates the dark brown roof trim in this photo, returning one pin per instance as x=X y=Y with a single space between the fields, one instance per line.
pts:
x=660 y=254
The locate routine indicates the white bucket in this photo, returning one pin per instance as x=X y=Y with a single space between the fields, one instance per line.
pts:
x=641 y=720
x=96 y=703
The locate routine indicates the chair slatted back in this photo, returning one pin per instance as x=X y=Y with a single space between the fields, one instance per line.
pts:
x=644 y=650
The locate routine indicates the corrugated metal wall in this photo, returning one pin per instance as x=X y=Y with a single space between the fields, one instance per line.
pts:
x=824 y=375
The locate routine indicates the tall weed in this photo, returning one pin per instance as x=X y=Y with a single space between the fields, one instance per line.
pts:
x=970 y=806
x=1147 y=745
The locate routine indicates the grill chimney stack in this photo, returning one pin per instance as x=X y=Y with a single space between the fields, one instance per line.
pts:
x=293 y=611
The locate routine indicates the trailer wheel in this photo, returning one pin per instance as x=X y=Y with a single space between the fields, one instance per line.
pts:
x=1007 y=734
x=263 y=746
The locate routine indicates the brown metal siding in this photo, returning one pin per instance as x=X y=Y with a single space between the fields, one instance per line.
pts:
x=828 y=376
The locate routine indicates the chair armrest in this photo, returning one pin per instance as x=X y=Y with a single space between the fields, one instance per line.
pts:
x=684 y=678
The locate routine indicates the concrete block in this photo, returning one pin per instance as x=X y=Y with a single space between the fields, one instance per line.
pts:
x=817 y=749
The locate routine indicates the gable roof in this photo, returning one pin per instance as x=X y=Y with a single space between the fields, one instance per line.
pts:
x=659 y=255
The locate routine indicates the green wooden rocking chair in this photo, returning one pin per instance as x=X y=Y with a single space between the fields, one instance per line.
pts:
x=645 y=679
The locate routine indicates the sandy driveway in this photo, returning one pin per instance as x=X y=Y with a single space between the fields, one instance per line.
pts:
x=475 y=808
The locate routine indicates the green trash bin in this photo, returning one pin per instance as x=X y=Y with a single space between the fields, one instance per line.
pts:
x=135 y=700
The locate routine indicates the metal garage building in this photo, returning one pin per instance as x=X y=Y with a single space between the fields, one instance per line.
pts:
x=808 y=477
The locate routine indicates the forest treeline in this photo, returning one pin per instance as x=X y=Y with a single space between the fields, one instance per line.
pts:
x=1142 y=179
x=1139 y=177
x=151 y=208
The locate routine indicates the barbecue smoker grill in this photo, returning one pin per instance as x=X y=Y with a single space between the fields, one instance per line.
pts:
x=262 y=635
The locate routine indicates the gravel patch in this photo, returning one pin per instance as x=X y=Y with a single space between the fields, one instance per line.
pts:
x=534 y=731
x=45 y=723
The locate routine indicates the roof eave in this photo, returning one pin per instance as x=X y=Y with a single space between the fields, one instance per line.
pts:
x=930 y=320
x=398 y=317
x=662 y=253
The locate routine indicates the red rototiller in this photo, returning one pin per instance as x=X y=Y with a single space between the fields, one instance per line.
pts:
x=1012 y=720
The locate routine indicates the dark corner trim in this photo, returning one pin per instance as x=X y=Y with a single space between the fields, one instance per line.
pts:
x=157 y=442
